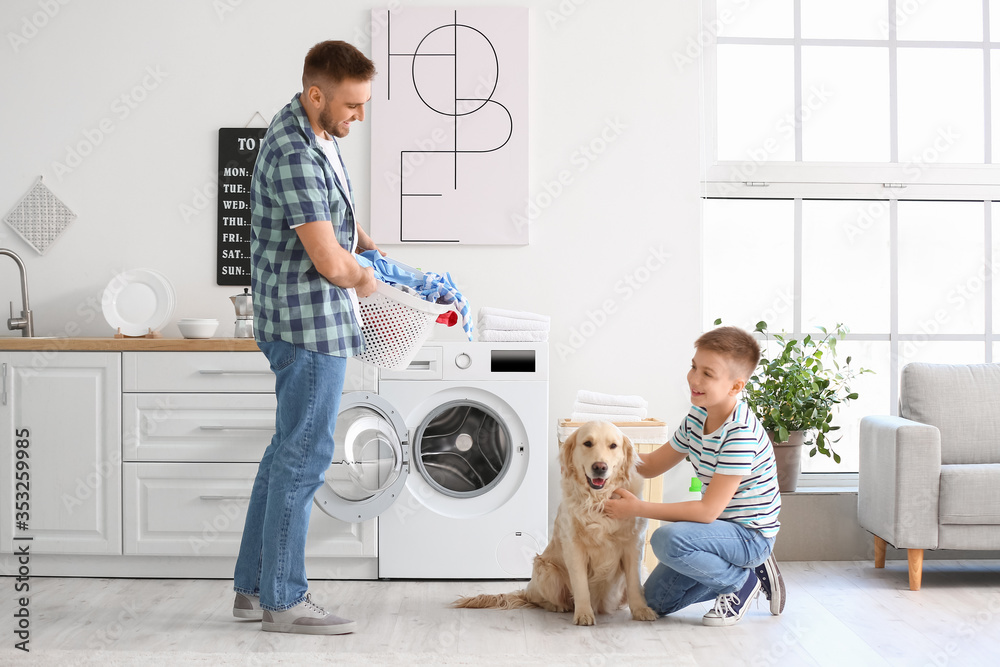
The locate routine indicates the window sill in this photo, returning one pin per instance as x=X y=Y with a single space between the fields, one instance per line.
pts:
x=806 y=489
x=827 y=482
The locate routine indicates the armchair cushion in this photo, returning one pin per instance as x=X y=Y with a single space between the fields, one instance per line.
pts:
x=962 y=401
x=970 y=494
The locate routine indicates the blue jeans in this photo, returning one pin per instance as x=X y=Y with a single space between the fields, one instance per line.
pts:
x=272 y=559
x=700 y=561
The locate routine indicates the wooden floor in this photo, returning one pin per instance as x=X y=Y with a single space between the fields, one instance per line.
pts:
x=838 y=613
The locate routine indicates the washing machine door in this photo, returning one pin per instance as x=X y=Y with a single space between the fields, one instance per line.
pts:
x=370 y=459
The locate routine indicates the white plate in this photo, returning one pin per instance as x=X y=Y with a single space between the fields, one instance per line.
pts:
x=138 y=301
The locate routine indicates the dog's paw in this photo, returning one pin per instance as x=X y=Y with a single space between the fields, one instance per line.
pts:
x=583 y=617
x=644 y=614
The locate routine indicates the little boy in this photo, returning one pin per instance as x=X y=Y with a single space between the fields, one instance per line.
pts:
x=720 y=546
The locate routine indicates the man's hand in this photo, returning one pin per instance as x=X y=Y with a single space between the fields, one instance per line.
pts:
x=626 y=506
x=367 y=284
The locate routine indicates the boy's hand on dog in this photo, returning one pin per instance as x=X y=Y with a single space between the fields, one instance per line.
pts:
x=625 y=506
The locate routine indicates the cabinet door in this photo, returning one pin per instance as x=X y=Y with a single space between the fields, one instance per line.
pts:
x=197 y=427
x=64 y=410
x=199 y=509
x=203 y=372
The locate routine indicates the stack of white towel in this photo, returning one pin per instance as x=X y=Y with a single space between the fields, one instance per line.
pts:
x=594 y=406
x=497 y=325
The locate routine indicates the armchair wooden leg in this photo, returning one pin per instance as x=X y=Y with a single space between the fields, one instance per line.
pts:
x=879 y=552
x=915 y=557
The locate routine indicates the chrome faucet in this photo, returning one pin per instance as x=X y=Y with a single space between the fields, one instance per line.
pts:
x=26 y=322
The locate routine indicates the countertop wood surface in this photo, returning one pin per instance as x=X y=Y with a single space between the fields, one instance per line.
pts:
x=111 y=344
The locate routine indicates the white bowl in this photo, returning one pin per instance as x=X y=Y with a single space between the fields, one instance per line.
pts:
x=197 y=328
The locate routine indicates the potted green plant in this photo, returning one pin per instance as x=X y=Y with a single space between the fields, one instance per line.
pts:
x=795 y=394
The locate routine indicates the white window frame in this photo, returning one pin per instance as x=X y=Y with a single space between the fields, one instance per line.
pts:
x=891 y=182
x=838 y=180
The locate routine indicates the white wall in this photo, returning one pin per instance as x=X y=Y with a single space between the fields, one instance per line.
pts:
x=595 y=66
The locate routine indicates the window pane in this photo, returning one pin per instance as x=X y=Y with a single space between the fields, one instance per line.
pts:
x=845 y=253
x=844 y=19
x=995 y=263
x=941 y=268
x=755 y=102
x=845 y=104
x=873 y=399
x=759 y=18
x=960 y=20
x=940 y=105
x=747 y=264
x=941 y=352
x=995 y=106
x=995 y=20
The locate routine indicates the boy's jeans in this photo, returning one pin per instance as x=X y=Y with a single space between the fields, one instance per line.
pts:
x=271 y=562
x=700 y=561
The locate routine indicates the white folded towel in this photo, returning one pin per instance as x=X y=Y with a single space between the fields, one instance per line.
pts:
x=517 y=314
x=598 y=417
x=497 y=336
x=580 y=406
x=598 y=398
x=500 y=323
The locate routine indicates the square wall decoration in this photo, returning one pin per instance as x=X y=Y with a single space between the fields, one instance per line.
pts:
x=40 y=217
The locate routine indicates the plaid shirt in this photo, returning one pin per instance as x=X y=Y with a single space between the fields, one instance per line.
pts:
x=293 y=183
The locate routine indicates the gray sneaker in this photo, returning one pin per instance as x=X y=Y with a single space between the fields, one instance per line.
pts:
x=247 y=606
x=306 y=618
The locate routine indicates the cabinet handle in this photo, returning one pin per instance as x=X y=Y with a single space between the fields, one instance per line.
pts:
x=268 y=429
x=222 y=372
x=224 y=497
x=3 y=386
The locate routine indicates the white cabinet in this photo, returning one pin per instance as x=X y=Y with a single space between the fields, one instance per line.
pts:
x=64 y=410
x=141 y=462
x=195 y=427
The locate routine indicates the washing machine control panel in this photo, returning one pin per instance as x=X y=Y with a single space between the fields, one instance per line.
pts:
x=448 y=360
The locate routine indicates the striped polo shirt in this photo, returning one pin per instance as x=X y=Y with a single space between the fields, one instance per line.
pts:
x=739 y=447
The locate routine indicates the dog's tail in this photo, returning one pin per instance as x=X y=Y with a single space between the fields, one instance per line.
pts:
x=515 y=600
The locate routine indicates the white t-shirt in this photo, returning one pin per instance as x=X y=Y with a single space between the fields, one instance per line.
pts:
x=739 y=447
x=330 y=148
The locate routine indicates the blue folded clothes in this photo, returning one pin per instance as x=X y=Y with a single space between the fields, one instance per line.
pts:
x=431 y=286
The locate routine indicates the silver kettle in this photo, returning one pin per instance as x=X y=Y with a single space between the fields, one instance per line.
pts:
x=244 y=314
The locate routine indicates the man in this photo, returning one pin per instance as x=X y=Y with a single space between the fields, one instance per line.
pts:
x=305 y=287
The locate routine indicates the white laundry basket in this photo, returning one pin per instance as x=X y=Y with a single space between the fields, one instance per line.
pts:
x=395 y=324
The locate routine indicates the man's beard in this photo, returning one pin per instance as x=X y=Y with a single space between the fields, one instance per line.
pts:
x=330 y=127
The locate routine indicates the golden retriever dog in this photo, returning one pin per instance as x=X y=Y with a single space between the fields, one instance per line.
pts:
x=592 y=563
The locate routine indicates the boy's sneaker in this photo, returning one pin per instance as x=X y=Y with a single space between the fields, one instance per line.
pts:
x=772 y=584
x=307 y=618
x=730 y=607
x=247 y=606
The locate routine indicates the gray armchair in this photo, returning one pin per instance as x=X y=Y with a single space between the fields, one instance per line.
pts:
x=930 y=478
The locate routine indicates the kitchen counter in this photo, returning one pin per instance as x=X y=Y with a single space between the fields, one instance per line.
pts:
x=111 y=344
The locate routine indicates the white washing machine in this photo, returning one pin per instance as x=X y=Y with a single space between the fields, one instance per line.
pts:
x=451 y=454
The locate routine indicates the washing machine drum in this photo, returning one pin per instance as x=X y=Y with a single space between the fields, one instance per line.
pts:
x=462 y=448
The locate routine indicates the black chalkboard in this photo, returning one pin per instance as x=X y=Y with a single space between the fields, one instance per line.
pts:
x=238 y=148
